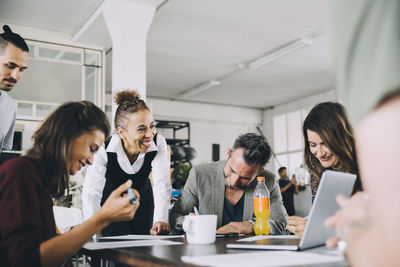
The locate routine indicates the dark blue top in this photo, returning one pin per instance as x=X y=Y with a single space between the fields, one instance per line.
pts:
x=233 y=213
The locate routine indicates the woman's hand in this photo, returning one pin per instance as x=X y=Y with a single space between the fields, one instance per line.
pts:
x=56 y=250
x=118 y=207
x=160 y=228
x=296 y=225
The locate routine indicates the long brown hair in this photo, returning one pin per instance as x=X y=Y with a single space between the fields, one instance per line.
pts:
x=329 y=121
x=52 y=141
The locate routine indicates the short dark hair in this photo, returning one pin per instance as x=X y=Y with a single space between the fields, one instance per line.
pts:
x=8 y=36
x=256 y=148
x=281 y=169
x=388 y=98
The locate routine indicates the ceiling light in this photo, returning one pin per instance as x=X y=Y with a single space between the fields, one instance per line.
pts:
x=200 y=88
x=285 y=50
x=272 y=56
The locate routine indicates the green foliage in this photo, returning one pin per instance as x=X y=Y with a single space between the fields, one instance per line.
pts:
x=180 y=175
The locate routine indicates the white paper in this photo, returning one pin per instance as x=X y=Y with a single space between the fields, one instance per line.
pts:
x=67 y=217
x=125 y=244
x=262 y=237
x=270 y=258
x=141 y=237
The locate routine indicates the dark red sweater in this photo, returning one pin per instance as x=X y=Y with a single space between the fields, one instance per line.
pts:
x=26 y=213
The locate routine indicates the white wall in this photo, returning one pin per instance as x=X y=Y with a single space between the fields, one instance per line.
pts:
x=209 y=124
x=216 y=124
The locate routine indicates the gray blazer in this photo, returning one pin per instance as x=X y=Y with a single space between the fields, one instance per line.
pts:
x=205 y=189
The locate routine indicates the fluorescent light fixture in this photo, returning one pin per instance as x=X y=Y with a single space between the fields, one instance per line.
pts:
x=288 y=49
x=200 y=88
x=272 y=56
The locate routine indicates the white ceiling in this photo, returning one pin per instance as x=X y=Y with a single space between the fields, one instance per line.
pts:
x=192 y=42
x=65 y=16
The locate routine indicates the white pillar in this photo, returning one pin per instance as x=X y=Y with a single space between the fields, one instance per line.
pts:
x=128 y=22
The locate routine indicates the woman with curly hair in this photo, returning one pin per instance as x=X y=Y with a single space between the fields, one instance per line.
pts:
x=132 y=152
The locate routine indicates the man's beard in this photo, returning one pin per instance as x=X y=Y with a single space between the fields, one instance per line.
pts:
x=8 y=88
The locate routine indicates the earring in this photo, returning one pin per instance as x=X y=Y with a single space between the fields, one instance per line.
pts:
x=311 y=161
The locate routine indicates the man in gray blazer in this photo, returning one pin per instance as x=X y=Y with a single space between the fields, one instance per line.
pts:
x=226 y=188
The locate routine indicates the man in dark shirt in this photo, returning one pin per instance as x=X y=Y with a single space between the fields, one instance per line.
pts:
x=288 y=188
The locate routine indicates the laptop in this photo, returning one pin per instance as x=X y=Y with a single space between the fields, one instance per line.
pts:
x=332 y=184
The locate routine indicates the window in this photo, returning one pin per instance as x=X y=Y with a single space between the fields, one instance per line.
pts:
x=57 y=74
x=288 y=140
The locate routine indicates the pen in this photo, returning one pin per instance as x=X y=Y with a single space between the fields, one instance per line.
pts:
x=231 y=234
x=131 y=196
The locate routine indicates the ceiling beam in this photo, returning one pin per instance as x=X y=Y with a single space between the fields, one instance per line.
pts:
x=78 y=32
x=207 y=102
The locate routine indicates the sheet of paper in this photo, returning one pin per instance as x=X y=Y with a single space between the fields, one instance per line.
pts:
x=141 y=237
x=125 y=244
x=270 y=258
x=261 y=237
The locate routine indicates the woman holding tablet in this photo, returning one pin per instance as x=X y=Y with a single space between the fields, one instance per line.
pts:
x=132 y=152
x=328 y=145
x=65 y=142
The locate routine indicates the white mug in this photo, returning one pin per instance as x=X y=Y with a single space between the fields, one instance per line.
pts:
x=200 y=229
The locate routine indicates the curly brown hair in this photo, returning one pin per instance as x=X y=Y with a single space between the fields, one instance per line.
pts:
x=128 y=102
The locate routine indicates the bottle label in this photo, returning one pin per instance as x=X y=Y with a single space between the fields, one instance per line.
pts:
x=261 y=203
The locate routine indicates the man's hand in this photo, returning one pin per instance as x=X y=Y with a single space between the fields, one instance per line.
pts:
x=236 y=227
x=160 y=228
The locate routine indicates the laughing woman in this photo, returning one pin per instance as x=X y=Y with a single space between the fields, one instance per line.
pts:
x=66 y=141
x=328 y=145
x=133 y=152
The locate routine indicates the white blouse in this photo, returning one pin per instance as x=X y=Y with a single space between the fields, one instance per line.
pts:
x=95 y=177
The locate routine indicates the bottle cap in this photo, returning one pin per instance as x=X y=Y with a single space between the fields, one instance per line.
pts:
x=260 y=179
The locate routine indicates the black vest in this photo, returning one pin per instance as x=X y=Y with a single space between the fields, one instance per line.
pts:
x=115 y=176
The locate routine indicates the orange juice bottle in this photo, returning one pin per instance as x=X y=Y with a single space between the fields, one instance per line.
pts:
x=261 y=208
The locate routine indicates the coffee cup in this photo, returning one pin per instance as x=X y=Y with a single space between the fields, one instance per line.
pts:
x=200 y=229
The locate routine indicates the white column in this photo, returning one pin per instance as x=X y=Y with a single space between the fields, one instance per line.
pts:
x=128 y=22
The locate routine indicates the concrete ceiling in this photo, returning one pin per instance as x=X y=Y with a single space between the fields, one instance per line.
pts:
x=192 y=42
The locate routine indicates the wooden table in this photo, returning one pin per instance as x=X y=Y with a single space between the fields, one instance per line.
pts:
x=166 y=255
